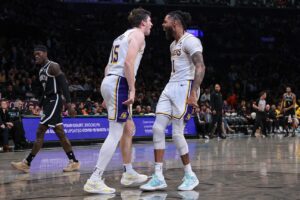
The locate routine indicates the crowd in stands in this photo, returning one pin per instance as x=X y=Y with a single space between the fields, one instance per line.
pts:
x=244 y=50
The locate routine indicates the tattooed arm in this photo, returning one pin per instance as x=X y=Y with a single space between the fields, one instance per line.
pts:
x=197 y=59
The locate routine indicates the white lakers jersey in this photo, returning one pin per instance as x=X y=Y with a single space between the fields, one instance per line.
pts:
x=118 y=55
x=181 y=57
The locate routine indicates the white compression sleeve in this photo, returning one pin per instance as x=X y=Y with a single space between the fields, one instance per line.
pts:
x=110 y=144
x=159 y=127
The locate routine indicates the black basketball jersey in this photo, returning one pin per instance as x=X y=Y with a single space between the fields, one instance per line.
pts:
x=287 y=100
x=48 y=81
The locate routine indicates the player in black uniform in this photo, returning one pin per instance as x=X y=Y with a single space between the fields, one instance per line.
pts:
x=288 y=109
x=54 y=85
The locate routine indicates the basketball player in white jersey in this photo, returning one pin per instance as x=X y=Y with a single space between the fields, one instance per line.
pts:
x=178 y=98
x=118 y=90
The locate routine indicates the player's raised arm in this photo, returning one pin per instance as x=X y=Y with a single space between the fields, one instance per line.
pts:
x=135 y=44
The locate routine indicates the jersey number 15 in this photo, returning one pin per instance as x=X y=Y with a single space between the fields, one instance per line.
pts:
x=114 y=54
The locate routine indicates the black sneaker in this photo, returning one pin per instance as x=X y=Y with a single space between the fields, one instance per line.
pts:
x=222 y=136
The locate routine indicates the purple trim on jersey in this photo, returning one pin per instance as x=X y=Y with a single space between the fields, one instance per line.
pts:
x=123 y=113
x=189 y=110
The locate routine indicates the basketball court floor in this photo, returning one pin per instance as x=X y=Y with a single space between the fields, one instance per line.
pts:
x=239 y=167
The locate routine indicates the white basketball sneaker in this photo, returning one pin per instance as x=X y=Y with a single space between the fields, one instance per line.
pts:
x=155 y=183
x=190 y=181
x=133 y=178
x=97 y=187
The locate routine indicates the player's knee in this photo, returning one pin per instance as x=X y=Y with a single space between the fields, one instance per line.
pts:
x=129 y=129
x=180 y=143
x=178 y=138
x=158 y=136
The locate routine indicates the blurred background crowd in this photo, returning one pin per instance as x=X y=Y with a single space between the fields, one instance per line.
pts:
x=249 y=46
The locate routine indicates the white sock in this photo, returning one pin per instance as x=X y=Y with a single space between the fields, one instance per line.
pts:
x=129 y=169
x=188 y=169
x=97 y=175
x=159 y=170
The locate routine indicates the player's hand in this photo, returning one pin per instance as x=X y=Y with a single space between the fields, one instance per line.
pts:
x=2 y=126
x=130 y=99
x=192 y=100
x=9 y=124
x=103 y=104
x=71 y=111
x=214 y=112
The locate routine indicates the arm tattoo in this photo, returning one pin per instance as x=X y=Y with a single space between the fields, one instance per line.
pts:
x=197 y=59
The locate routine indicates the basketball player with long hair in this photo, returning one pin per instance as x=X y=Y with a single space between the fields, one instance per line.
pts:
x=178 y=98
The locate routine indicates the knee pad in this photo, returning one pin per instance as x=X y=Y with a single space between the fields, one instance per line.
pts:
x=158 y=129
x=178 y=137
x=158 y=136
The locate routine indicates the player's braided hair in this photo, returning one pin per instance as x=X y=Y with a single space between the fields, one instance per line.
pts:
x=184 y=17
x=137 y=15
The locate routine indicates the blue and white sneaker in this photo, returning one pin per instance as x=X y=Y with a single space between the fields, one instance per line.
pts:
x=190 y=181
x=154 y=184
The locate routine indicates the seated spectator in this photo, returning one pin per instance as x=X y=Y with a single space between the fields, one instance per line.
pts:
x=138 y=110
x=200 y=120
x=17 y=131
x=226 y=107
x=205 y=96
x=148 y=111
x=30 y=110
x=5 y=125
x=81 y=110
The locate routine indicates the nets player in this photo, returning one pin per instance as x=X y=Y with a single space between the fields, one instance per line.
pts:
x=118 y=90
x=54 y=86
x=288 y=109
x=178 y=98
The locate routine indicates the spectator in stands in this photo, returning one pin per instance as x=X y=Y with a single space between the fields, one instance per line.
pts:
x=138 y=110
x=81 y=110
x=202 y=122
x=275 y=123
x=226 y=107
x=28 y=89
x=29 y=110
x=205 y=96
x=10 y=93
x=149 y=111
x=5 y=124
x=17 y=131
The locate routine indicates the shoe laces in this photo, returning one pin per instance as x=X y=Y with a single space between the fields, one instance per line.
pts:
x=154 y=180
x=187 y=179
